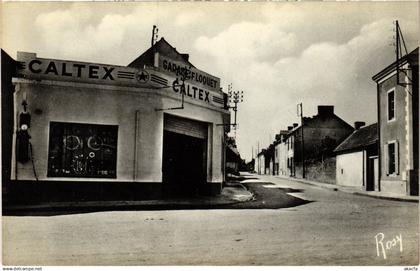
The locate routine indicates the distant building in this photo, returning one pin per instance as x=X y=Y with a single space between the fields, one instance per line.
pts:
x=398 y=122
x=357 y=158
x=289 y=142
x=280 y=154
x=250 y=166
x=321 y=135
x=233 y=158
x=269 y=160
x=261 y=162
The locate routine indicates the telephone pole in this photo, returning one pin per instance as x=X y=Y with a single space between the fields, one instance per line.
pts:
x=258 y=158
x=235 y=97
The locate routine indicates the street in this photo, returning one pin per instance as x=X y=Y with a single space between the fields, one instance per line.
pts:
x=334 y=228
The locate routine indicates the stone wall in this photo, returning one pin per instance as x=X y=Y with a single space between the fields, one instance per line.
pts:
x=323 y=171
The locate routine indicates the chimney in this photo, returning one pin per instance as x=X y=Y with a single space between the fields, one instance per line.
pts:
x=325 y=110
x=358 y=124
x=295 y=125
x=289 y=128
x=186 y=57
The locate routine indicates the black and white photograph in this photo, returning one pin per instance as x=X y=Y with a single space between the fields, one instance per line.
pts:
x=209 y=134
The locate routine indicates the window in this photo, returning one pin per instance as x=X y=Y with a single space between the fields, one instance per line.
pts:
x=392 y=157
x=82 y=150
x=391 y=104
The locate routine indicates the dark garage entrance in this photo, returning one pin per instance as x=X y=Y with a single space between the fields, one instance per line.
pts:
x=184 y=162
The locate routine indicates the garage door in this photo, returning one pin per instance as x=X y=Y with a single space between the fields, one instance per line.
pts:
x=185 y=126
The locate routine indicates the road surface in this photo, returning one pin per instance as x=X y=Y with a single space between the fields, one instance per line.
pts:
x=335 y=228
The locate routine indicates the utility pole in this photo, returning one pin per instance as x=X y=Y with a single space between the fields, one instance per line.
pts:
x=397 y=53
x=154 y=34
x=300 y=113
x=258 y=158
x=235 y=97
x=399 y=43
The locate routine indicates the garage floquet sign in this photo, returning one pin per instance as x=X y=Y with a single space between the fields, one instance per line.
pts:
x=191 y=74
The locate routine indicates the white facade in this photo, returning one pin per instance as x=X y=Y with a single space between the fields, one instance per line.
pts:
x=261 y=164
x=96 y=94
x=281 y=159
x=350 y=169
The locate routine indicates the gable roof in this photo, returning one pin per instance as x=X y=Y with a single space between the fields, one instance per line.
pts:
x=315 y=121
x=164 y=48
x=412 y=58
x=360 y=138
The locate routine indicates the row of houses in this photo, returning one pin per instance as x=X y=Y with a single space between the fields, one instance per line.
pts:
x=289 y=155
x=382 y=156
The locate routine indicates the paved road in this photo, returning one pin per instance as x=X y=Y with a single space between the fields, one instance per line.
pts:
x=335 y=229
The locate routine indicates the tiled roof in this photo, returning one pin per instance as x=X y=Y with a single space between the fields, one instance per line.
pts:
x=360 y=138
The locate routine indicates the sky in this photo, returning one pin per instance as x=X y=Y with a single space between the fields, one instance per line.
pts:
x=278 y=53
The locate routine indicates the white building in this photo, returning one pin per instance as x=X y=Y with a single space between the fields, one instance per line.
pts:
x=155 y=126
x=357 y=159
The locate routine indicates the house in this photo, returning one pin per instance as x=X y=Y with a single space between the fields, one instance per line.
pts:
x=250 y=166
x=357 y=158
x=269 y=160
x=398 y=125
x=280 y=154
x=289 y=142
x=97 y=130
x=321 y=134
x=261 y=162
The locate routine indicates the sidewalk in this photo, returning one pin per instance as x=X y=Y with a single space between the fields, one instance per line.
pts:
x=354 y=190
x=231 y=194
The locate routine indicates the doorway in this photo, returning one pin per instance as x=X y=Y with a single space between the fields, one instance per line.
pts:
x=184 y=161
x=372 y=180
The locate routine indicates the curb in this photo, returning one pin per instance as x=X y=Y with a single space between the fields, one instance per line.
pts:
x=386 y=197
x=145 y=205
x=346 y=190
x=15 y=210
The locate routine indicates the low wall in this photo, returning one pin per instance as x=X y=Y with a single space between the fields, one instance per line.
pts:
x=320 y=171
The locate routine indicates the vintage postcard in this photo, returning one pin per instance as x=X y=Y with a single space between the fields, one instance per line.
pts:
x=210 y=134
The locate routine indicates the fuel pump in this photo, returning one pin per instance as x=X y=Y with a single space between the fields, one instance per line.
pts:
x=22 y=138
x=23 y=144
